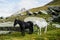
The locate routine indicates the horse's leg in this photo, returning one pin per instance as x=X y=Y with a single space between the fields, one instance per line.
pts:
x=31 y=30
x=45 y=29
x=40 y=31
x=23 y=31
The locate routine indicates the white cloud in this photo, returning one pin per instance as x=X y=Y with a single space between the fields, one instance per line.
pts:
x=8 y=7
x=32 y=3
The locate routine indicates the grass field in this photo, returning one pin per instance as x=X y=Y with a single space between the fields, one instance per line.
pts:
x=53 y=33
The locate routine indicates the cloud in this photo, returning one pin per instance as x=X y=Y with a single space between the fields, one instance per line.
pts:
x=8 y=7
x=32 y=3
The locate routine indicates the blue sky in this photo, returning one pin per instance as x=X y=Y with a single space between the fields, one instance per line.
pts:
x=8 y=7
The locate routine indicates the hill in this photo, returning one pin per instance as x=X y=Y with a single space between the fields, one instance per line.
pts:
x=53 y=3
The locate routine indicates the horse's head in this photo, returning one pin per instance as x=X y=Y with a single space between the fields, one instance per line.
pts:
x=15 y=22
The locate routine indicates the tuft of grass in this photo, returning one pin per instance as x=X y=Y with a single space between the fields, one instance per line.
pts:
x=52 y=34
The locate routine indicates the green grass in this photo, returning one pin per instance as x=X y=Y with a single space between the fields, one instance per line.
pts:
x=52 y=34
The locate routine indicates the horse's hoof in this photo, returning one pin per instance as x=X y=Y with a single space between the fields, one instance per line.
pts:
x=30 y=33
x=23 y=35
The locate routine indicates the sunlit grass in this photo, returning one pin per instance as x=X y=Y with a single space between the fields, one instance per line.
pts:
x=52 y=34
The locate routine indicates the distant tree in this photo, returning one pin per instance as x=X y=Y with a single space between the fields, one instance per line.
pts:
x=1 y=17
x=7 y=17
x=39 y=12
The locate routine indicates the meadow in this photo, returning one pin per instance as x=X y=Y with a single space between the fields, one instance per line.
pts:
x=53 y=33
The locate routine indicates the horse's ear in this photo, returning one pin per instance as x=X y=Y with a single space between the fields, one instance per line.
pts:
x=15 y=20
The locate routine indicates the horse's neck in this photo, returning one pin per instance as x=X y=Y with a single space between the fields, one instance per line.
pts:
x=20 y=22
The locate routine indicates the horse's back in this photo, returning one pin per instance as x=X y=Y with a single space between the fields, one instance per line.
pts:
x=29 y=22
x=41 y=24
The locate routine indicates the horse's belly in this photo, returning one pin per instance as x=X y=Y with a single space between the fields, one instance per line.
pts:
x=27 y=26
x=42 y=24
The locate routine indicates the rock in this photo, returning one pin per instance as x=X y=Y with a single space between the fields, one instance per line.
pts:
x=56 y=25
x=4 y=32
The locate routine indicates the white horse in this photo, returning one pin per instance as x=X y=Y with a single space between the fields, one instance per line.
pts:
x=40 y=22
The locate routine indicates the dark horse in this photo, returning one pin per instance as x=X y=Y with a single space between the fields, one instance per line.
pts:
x=24 y=25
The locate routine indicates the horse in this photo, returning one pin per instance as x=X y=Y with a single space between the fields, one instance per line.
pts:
x=40 y=22
x=24 y=25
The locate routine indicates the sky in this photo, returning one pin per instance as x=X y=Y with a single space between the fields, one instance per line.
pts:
x=8 y=7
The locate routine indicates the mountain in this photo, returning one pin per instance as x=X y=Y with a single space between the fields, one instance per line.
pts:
x=53 y=3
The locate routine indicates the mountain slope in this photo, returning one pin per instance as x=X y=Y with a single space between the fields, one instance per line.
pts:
x=55 y=2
